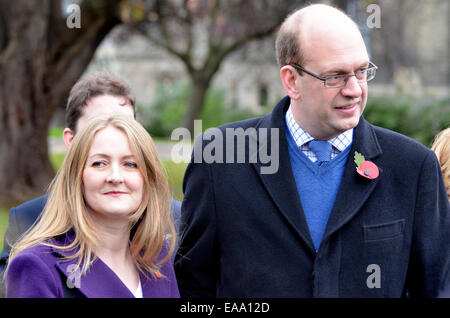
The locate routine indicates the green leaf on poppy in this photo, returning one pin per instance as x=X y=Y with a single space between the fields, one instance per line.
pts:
x=359 y=159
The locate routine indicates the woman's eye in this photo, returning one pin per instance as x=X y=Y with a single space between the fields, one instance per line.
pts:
x=130 y=165
x=98 y=164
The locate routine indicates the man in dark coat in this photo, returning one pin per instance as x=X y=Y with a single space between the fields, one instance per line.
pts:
x=321 y=203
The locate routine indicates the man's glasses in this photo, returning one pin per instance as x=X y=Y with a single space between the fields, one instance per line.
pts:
x=362 y=75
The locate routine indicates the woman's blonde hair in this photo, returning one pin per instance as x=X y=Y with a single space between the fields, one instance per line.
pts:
x=441 y=147
x=66 y=209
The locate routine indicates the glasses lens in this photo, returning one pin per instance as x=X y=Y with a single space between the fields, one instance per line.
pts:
x=335 y=81
x=371 y=73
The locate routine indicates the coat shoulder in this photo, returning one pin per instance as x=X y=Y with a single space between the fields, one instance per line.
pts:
x=403 y=147
x=244 y=124
x=42 y=252
x=32 y=273
x=30 y=209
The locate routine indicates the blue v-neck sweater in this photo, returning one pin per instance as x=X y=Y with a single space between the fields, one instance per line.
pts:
x=317 y=186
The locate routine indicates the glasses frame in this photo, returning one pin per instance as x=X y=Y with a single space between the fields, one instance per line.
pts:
x=347 y=76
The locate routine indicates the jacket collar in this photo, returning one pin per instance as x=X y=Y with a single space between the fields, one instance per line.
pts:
x=281 y=185
x=354 y=189
x=99 y=281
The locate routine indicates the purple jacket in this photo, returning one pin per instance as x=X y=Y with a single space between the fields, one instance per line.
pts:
x=42 y=272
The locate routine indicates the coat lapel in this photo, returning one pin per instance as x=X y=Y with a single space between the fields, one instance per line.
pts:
x=354 y=189
x=99 y=281
x=352 y=194
x=281 y=185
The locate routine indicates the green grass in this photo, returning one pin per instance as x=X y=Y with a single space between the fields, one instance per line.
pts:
x=57 y=159
x=4 y=213
x=56 y=132
x=175 y=173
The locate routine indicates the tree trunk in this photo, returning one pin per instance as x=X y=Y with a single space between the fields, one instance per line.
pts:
x=40 y=60
x=196 y=100
x=24 y=116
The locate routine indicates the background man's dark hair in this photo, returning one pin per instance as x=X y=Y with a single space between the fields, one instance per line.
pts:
x=92 y=86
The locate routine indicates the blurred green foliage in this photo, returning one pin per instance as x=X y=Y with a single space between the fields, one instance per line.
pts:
x=416 y=118
x=420 y=119
x=167 y=111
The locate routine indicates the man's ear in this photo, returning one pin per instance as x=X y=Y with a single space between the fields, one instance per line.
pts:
x=67 y=136
x=291 y=81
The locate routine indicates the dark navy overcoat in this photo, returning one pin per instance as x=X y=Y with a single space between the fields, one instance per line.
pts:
x=245 y=233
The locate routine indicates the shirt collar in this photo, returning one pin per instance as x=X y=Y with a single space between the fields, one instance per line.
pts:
x=302 y=137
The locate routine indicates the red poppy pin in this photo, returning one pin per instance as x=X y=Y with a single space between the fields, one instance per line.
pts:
x=366 y=168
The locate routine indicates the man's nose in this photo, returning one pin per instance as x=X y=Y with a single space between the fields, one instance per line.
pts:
x=352 y=88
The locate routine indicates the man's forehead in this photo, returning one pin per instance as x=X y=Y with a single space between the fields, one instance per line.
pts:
x=320 y=24
x=107 y=104
x=321 y=15
x=107 y=100
x=104 y=105
x=328 y=45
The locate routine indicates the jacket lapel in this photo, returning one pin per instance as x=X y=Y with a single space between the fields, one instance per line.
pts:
x=354 y=189
x=99 y=281
x=281 y=185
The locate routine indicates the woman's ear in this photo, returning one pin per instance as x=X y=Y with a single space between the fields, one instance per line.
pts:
x=291 y=81
x=67 y=136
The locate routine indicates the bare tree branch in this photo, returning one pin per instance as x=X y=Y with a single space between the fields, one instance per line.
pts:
x=225 y=26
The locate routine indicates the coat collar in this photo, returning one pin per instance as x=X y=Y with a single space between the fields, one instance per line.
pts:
x=281 y=185
x=354 y=189
x=99 y=281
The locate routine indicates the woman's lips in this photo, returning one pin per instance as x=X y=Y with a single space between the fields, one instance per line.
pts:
x=114 y=193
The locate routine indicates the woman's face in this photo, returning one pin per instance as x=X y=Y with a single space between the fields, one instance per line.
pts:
x=113 y=186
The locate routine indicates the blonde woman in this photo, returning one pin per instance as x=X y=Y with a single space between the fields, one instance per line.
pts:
x=106 y=230
x=441 y=147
